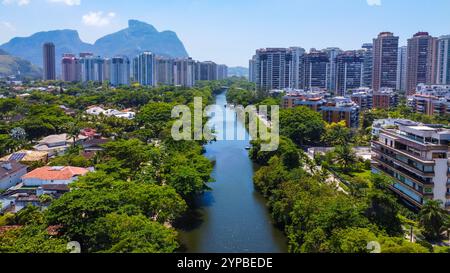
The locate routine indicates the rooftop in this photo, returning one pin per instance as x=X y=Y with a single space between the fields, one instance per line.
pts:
x=55 y=173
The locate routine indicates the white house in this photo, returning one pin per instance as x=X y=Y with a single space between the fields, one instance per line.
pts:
x=53 y=176
x=95 y=110
x=11 y=173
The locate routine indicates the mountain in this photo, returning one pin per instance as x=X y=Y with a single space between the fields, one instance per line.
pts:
x=238 y=71
x=15 y=66
x=138 y=37
x=30 y=48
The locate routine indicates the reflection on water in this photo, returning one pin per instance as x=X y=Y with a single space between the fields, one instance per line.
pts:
x=232 y=217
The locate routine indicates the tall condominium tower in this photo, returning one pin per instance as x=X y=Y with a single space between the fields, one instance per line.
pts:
x=349 y=71
x=222 y=72
x=206 y=71
x=92 y=68
x=145 y=72
x=120 y=71
x=368 y=64
x=184 y=72
x=164 y=71
x=402 y=68
x=314 y=70
x=332 y=52
x=107 y=69
x=48 y=50
x=252 y=69
x=385 y=60
x=273 y=68
x=443 y=60
x=421 y=61
x=295 y=64
x=70 y=68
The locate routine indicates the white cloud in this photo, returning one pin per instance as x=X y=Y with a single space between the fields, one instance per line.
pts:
x=374 y=2
x=7 y=26
x=67 y=2
x=16 y=2
x=98 y=19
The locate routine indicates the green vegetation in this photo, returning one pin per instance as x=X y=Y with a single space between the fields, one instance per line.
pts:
x=143 y=180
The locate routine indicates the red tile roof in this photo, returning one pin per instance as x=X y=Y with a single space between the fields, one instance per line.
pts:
x=55 y=173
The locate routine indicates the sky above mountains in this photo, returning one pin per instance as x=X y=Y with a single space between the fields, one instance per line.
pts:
x=229 y=31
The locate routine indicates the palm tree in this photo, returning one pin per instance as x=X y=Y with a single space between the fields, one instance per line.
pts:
x=433 y=219
x=345 y=156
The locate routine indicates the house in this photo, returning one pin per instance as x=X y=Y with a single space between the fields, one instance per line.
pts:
x=25 y=156
x=54 y=144
x=95 y=110
x=11 y=173
x=53 y=176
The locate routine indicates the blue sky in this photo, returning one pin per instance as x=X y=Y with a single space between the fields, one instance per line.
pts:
x=229 y=31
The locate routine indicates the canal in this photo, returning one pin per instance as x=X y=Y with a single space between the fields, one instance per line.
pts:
x=232 y=217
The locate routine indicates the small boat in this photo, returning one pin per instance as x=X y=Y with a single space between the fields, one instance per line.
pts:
x=248 y=147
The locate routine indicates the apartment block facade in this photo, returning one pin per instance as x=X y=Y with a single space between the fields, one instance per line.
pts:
x=415 y=157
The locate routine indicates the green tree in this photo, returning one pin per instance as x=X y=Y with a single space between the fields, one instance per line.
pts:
x=433 y=219
x=302 y=125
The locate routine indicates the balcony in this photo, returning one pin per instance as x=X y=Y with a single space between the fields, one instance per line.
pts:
x=408 y=174
x=412 y=169
x=406 y=153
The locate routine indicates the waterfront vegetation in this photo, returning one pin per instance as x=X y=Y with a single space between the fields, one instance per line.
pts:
x=320 y=215
x=143 y=180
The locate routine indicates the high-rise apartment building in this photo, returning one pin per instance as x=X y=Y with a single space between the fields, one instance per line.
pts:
x=120 y=71
x=443 y=60
x=48 y=54
x=107 y=69
x=368 y=64
x=164 y=71
x=70 y=68
x=273 y=68
x=332 y=53
x=92 y=68
x=415 y=156
x=421 y=61
x=294 y=67
x=314 y=70
x=385 y=61
x=184 y=72
x=252 y=69
x=349 y=71
x=144 y=69
x=402 y=68
x=222 y=72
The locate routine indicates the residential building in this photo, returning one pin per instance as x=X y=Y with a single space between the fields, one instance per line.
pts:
x=385 y=61
x=385 y=98
x=367 y=50
x=184 y=72
x=91 y=68
x=120 y=71
x=363 y=97
x=402 y=68
x=145 y=65
x=349 y=71
x=27 y=157
x=252 y=69
x=431 y=99
x=421 y=61
x=49 y=61
x=332 y=53
x=164 y=71
x=341 y=109
x=49 y=175
x=295 y=65
x=314 y=70
x=222 y=72
x=312 y=100
x=54 y=144
x=415 y=157
x=70 y=68
x=11 y=173
x=443 y=60
x=273 y=68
